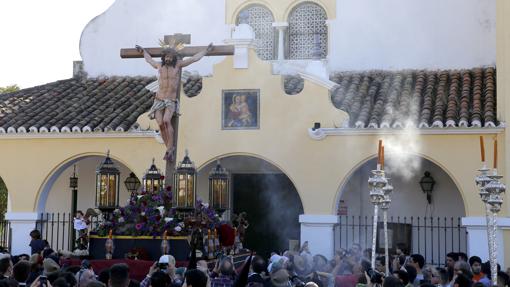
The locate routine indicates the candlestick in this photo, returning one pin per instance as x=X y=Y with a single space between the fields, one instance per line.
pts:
x=482 y=149
x=379 y=149
x=382 y=157
x=495 y=153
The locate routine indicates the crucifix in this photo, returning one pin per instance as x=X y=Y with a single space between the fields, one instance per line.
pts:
x=165 y=108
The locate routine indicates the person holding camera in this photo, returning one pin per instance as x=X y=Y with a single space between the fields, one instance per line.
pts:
x=223 y=274
x=165 y=265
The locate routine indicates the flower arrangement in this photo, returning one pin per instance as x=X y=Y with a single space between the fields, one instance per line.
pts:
x=151 y=214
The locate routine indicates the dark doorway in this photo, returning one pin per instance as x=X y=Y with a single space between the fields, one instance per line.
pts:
x=273 y=207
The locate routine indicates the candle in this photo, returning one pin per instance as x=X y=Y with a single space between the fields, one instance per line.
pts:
x=382 y=158
x=110 y=234
x=379 y=152
x=164 y=235
x=482 y=149
x=495 y=152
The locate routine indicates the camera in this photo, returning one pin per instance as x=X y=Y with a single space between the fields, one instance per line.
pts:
x=43 y=281
x=162 y=266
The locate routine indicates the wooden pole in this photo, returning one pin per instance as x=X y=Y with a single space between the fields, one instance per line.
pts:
x=221 y=50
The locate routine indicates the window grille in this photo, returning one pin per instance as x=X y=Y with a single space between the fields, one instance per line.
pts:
x=261 y=20
x=307 y=32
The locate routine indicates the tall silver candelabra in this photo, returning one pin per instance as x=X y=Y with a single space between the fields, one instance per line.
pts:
x=385 y=205
x=491 y=190
x=376 y=183
x=481 y=181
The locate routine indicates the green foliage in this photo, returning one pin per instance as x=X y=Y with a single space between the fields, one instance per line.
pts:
x=3 y=199
x=9 y=89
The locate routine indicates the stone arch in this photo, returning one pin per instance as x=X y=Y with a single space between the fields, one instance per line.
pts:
x=265 y=192
x=235 y=14
x=343 y=182
x=57 y=171
x=428 y=229
x=295 y=3
x=260 y=18
x=307 y=26
x=258 y=156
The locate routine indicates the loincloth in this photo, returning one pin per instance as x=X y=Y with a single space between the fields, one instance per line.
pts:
x=163 y=104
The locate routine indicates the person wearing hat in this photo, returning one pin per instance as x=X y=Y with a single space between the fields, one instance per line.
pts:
x=50 y=267
x=166 y=264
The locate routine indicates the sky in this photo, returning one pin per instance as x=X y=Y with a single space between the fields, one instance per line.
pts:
x=39 y=39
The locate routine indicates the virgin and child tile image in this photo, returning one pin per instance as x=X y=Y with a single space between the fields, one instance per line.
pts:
x=240 y=109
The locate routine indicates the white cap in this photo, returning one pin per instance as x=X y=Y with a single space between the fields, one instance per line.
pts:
x=167 y=259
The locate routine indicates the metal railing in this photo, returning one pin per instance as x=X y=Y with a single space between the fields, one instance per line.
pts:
x=432 y=237
x=5 y=235
x=57 y=229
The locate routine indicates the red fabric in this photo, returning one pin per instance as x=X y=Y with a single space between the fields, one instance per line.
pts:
x=346 y=281
x=227 y=235
x=138 y=269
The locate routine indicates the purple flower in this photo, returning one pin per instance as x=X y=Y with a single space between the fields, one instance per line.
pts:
x=139 y=226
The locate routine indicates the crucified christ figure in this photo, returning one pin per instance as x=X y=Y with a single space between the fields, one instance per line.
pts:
x=166 y=104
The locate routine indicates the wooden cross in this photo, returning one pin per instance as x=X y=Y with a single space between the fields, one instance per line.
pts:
x=222 y=50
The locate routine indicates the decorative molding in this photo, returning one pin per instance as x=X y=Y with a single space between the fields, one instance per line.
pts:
x=299 y=67
x=322 y=133
x=22 y=216
x=480 y=222
x=318 y=219
x=280 y=25
x=143 y=134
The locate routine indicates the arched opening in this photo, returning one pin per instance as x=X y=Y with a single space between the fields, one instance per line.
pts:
x=56 y=190
x=55 y=198
x=267 y=195
x=308 y=32
x=432 y=229
x=261 y=21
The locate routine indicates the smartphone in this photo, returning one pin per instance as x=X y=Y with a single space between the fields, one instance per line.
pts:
x=43 y=281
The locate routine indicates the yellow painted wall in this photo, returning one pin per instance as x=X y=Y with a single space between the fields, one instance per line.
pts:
x=86 y=172
x=503 y=66
x=28 y=163
x=503 y=84
x=317 y=168
x=281 y=8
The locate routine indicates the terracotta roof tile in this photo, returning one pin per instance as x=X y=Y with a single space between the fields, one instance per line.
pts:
x=373 y=99
x=77 y=105
x=448 y=98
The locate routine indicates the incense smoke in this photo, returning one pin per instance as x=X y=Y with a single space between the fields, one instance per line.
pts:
x=403 y=151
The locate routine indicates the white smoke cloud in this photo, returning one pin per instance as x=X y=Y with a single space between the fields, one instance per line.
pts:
x=402 y=153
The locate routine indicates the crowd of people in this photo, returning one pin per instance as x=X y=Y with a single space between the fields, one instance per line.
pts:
x=297 y=268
